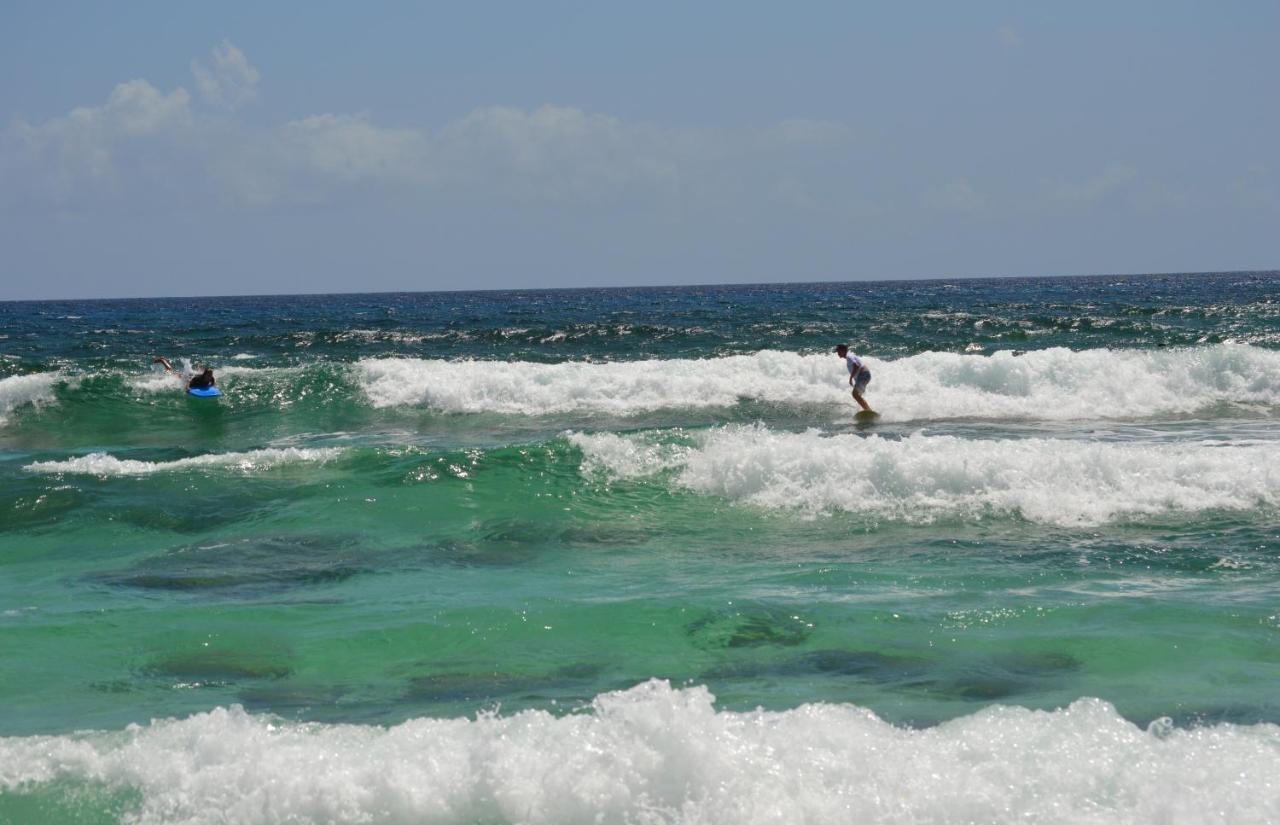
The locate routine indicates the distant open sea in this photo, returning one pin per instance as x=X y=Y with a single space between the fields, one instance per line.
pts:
x=625 y=555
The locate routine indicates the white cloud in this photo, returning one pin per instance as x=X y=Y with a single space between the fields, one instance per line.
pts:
x=561 y=150
x=88 y=143
x=555 y=153
x=1117 y=185
x=1091 y=190
x=550 y=153
x=1008 y=37
x=807 y=130
x=1155 y=196
x=350 y=148
x=145 y=145
x=1256 y=188
x=232 y=82
x=136 y=109
x=958 y=196
x=311 y=159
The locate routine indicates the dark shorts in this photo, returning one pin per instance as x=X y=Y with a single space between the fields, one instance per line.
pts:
x=860 y=383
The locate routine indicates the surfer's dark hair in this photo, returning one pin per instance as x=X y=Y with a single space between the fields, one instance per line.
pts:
x=840 y=347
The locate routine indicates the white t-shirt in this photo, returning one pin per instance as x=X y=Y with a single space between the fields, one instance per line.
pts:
x=854 y=363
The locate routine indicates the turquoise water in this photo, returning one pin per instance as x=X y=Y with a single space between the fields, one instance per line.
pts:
x=627 y=555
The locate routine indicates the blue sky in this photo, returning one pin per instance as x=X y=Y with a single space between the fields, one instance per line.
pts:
x=240 y=148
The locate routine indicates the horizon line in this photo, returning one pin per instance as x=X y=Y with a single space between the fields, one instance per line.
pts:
x=518 y=290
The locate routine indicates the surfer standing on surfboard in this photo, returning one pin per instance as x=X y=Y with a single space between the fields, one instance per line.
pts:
x=859 y=375
x=199 y=381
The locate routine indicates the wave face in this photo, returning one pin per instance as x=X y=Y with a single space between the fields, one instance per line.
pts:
x=522 y=388
x=920 y=478
x=1054 y=384
x=655 y=754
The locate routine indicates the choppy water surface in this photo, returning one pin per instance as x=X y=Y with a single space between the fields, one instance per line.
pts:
x=554 y=556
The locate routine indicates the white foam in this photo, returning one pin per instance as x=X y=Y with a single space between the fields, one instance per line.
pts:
x=616 y=387
x=165 y=382
x=920 y=478
x=257 y=372
x=105 y=464
x=20 y=390
x=1053 y=384
x=1056 y=384
x=157 y=383
x=653 y=754
x=615 y=456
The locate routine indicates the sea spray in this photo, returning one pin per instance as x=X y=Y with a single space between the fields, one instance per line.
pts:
x=34 y=390
x=104 y=464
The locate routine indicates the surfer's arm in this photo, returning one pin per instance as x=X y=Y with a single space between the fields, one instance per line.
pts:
x=167 y=366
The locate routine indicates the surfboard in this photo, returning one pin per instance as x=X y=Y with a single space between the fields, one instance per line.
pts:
x=204 y=392
x=866 y=416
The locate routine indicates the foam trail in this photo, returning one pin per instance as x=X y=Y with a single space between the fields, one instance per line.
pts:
x=164 y=382
x=921 y=478
x=654 y=754
x=19 y=390
x=105 y=464
x=1052 y=384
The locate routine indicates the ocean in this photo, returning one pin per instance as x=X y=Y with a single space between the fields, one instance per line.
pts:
x=626 y=555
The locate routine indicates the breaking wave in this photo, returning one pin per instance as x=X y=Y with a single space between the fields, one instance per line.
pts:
x=105 y=464
x=920 y=478
x=1051 y=384
x=654 y=754
x=20 y=390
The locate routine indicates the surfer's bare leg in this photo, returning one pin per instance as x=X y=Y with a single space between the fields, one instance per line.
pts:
x=857 y=396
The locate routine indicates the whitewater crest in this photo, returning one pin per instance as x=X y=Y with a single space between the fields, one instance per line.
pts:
x=22 y=390
x=618 y=388
x=1050 y=384
x=158 y=382
x=921 y=477
x=1040 y=385
x=105 y=464
x=655 y=754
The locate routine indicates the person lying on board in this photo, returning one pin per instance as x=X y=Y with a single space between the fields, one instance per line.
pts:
x=859 y=375
x=200 y=381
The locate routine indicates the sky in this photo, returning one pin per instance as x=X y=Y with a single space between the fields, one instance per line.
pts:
x=171 y=149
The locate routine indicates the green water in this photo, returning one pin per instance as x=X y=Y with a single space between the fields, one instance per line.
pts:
x=436 y=508
x=394 y=582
